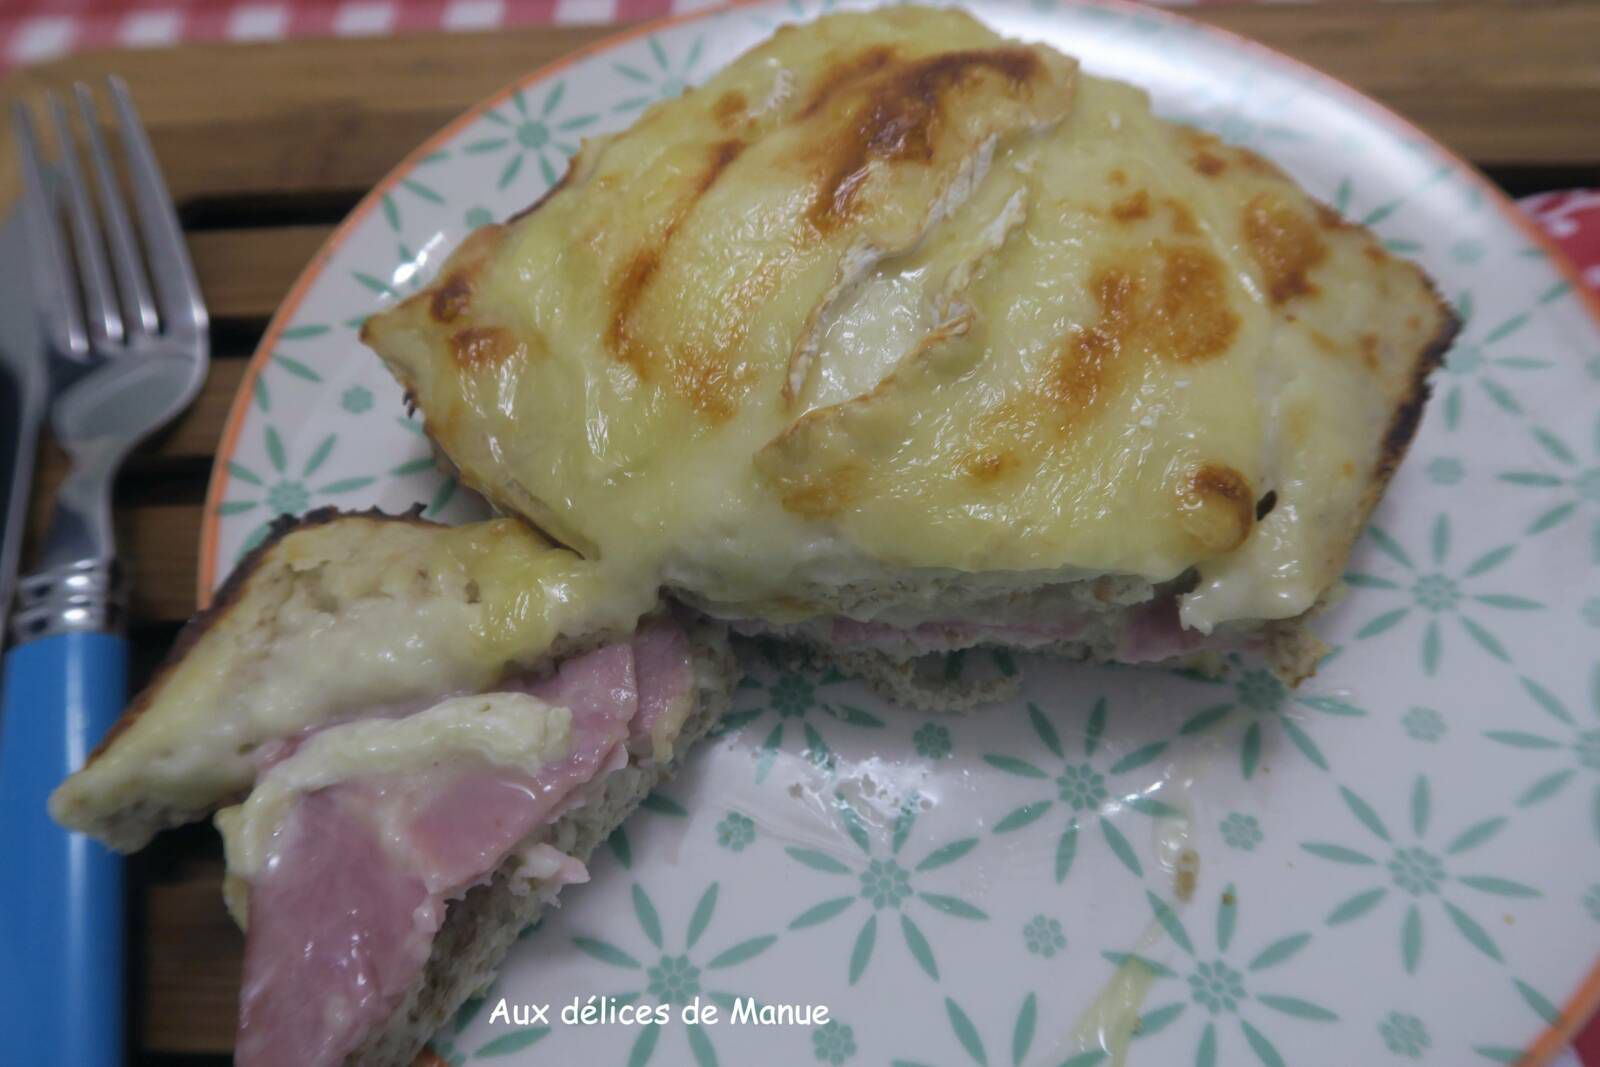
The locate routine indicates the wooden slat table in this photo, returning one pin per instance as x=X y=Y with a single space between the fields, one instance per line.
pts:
x=267 y=146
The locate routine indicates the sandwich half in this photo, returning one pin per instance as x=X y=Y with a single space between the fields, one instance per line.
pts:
x=898 y=337
x=412 y=736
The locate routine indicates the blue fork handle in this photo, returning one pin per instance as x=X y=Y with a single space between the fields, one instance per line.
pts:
x=61 y=910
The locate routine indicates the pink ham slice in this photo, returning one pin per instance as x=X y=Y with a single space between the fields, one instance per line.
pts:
x=338 y=929
x=666 y=677
x=1154 y=633
x=341 y=921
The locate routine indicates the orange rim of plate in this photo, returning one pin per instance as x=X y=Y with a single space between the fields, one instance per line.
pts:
x=1579 y=1007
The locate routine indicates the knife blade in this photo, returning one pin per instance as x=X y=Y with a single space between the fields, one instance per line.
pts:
x=24 y=397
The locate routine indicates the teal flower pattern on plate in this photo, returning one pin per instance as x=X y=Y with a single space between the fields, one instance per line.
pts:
x=1216 y=987
x=968 y=1037
x=1591 y=611
x=543 y=132
x=662 y=78
x=1043 y=936
x=1446 y=470
x=885 y=883
x=1548 y=1015
x=295 y=368
x=415 y=188
x=792 y=11
x=1591 y=902
x=791 y=695
x=1574 y=743
x=1404 y=1035
x=1225 y=991
x=504 y=1044
x=287 y=488
x=833 y=1042
x=1484 y=360
x=736 y=831
x=1423 y=724
x=674 y=977
x=444 y=490
x=932 y=741
x=1389 y=218
x=1264 y=702
x=1241 y=831
x=402 y=275
x=1571 y=490
x=886 y=886
x=621 y=845
x=1438 y=593
x=674 y=980
x=1420 y=876
x=356 y=400
x=1082 y=789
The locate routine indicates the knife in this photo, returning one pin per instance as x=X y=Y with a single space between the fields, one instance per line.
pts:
x=24 y=393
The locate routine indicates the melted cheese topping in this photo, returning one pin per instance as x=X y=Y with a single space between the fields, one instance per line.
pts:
x=511 y=730
x=893 y=294
x=354 y=616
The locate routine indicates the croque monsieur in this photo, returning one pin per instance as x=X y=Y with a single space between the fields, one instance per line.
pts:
x=897 y=337
x=415 y=736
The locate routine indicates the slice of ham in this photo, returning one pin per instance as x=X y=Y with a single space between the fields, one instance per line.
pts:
x=666 y=683
x=343 y=914
x=339 y=927
x=1154 y=632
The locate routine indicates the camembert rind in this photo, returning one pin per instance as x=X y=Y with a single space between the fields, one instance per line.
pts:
x=891 y=299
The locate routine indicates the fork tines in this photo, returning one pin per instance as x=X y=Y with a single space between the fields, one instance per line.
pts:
x=123 y=290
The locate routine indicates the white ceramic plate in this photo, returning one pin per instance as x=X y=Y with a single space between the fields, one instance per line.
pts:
x=1399 y=861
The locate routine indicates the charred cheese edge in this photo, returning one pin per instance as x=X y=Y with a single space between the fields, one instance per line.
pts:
x=337 y=616
x=891 y=293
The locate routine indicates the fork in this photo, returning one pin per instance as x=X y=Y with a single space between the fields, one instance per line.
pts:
x=126 y=336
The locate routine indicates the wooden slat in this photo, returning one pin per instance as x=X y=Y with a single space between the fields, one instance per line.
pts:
x=190 y=439
x=246 y=273
x=191 y=963
x=1504 y=83
x=194 y=434
x=162 y=545
x=333 y=116
x=159 y=543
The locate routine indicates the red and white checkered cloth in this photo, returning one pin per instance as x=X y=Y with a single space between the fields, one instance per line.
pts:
x=1572 y=219
x=32 y=30
x=36 y=30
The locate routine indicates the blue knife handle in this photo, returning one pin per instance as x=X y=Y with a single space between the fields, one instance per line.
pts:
x=61 y=904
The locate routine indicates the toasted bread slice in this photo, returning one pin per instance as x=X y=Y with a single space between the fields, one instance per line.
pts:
x=325 y=705
x=899 y=323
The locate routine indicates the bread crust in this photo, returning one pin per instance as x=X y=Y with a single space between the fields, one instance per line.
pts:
x=228 y=596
